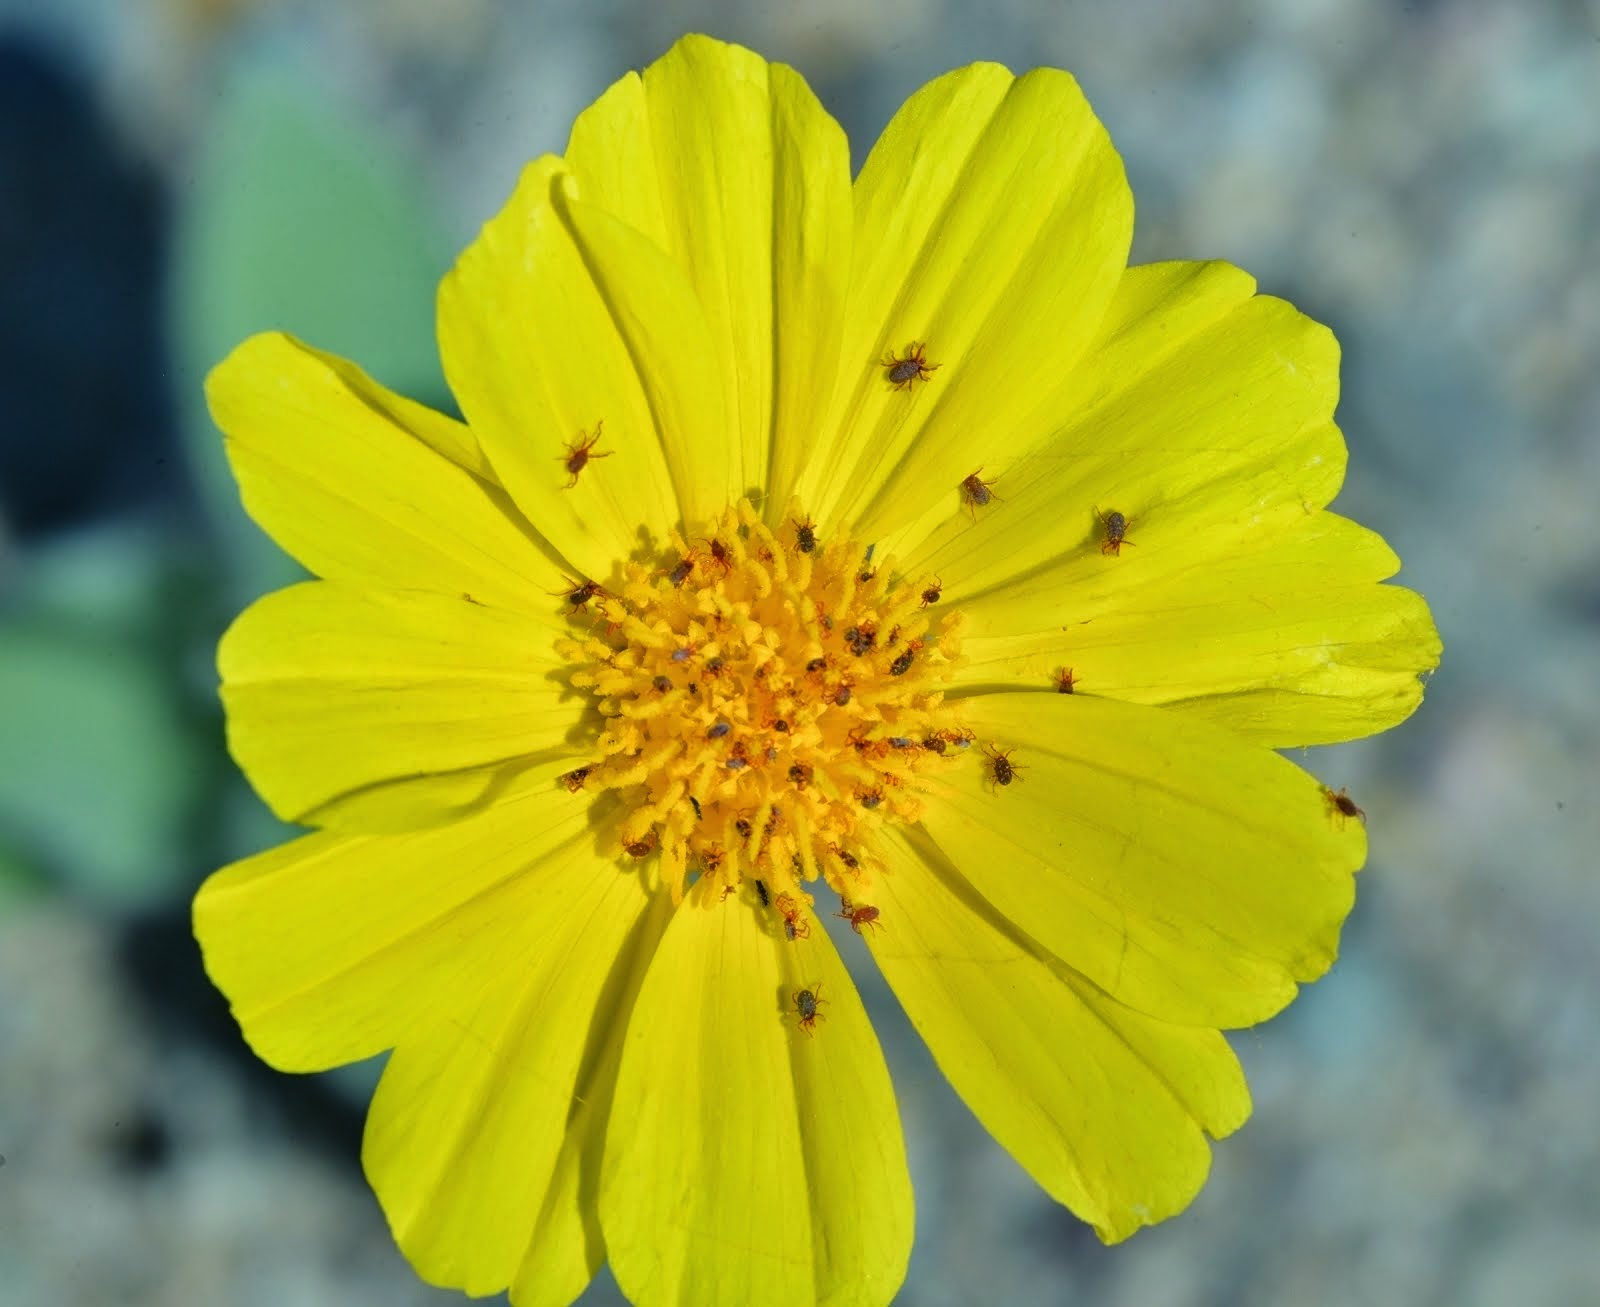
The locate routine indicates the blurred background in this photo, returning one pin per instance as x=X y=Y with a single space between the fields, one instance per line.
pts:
x=1425 y=177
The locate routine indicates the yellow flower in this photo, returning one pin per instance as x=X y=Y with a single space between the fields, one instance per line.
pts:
x=892 y=551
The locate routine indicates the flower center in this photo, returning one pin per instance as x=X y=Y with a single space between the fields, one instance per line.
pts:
x=769 y=702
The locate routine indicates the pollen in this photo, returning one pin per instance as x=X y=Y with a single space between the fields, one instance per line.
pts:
x=764 y=723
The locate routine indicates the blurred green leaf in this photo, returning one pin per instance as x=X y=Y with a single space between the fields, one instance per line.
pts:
x=96 y=770
x=299 y=217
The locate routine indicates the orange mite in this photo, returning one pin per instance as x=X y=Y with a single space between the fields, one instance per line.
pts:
x=720 y=555
x=642 y=848
x=795 y=926
x=1116 y=526
x=574 y=780
x=914 y=367
x=1065 y=680
x=932 y=593
x=578 y=455
x=864 y=915
x=977 y=493
x=1342 y=803
x=1001 y=769
x=807 y=1003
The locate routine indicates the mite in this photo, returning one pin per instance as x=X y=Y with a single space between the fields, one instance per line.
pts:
x=574 y=780
x=914 y=367
x=720 y=555
x=805 y=536
x=1116 y=526
x=578 y=455
x=1001 y=769
x=580 y=593
x=1065 y=681
x=932 y=593
x=680 y=573
x=642 y=848
x=806 y=1003
x=800 y=774
x=795 y=926
x=1340 y=801
x=977 y=493
x=858 y=916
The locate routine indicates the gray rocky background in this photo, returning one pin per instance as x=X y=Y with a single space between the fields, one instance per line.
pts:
x=1424 y=177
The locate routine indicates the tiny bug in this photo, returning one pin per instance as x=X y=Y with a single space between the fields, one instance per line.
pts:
x=977 y=493
x=870 y=799
x=843 y=696
x=1341 y=802
x=805 y=535
x=1065 y=680
x=914 y=367
x=932 y=593
x=642 y=848
x=795 y=926
x=1116 y=526
x=736 y=764
x=901 y=665
x=711 y=858
x=817 y=665
x=762 y=894
x=845 y=856
x=800 y=774
x=806 y=1003
x=718 y=731
x=1001 y=769
x=864 y=915
x=580 y=592
x=578 y=454
x=744 y=828
x=720 y=555
x=574 y=780
x=695 y=804
x=662 y=683
x=680 y=573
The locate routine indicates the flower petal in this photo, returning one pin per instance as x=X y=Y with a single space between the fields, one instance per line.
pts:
x=505 y=1075
x=746 y=1160
x=360 y=484
x=1287 y=641
x=1108 y=1110
x=329 y=945
x=1203 y=416
x=556 y=321
x=1187 y=874
x=992 y=225
x=366 y=708
x=732 y=165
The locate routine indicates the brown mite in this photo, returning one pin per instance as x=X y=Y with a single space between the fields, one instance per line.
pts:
x=580 y=592
x=805 y=535
x=1002 y=771
x=720 y=555
x=932 y=593
x=806 y=1003
x=901 y=665
x=800 y=773
x=578 y=454
x=642 y=848
x=1116 y=526
x=574 y=780
x=1065 y=681
x=795 y=926
x=1341 y=802
x=914 y=367
x=977 y=493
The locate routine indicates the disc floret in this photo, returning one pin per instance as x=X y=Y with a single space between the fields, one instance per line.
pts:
x=764 y=708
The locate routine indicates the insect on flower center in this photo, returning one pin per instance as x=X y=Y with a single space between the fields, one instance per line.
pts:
x=769 y=701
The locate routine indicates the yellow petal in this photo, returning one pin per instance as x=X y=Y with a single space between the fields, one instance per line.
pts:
x=1106 y=1109
x=364 y=708
x=1286 y=641
x=327 y=947
x=501 y=1077
x=554 y=323
x=731 y=165
x=360 y=484
x=1203 y=416
x=1189 y=875
x=748 y=1161
x=992 y=225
